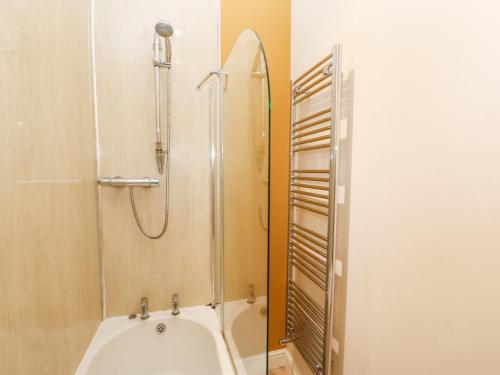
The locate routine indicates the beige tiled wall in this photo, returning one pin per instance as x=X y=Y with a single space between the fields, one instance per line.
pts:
x=136 y=266
x=49 y=273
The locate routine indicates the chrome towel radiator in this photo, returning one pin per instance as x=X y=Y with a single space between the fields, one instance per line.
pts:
x=312 y=211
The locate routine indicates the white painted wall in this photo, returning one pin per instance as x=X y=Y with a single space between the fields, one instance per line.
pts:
x=312 y=33
x=423 y=280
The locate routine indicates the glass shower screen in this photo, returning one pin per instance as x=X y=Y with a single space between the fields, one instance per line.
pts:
x=246 y=203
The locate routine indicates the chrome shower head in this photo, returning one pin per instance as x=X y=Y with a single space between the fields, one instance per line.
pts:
x=164 y=29
x=161 y=42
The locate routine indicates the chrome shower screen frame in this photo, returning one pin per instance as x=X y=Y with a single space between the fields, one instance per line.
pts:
x=218 y=82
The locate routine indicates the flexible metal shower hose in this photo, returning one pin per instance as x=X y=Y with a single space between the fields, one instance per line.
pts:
x=134 y=209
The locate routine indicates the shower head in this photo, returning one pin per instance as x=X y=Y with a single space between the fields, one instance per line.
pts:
x=161 y=42
x=164 y=29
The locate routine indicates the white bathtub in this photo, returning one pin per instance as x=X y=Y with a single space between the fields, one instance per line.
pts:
x=246 y=335
x=191 y=345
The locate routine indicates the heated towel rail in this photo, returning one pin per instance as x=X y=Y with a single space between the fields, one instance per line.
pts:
x=312 y=199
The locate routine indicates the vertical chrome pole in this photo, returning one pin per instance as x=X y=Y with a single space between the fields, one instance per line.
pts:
x=291 y=217
x=216 y=182
x=221 y=192
x=216 y=160
x=212 y=194
x=157 y=63
x=332 y=208
x=157 y=104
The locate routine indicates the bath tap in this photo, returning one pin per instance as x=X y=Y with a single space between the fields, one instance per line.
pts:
x=175 y=304
x=251 y=294
x=144 y=308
